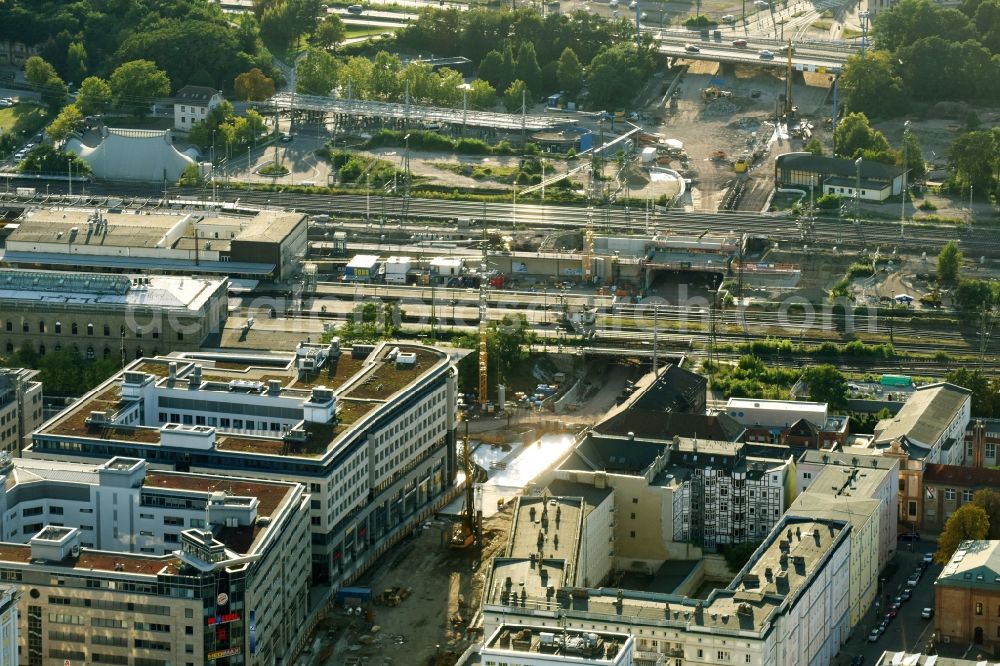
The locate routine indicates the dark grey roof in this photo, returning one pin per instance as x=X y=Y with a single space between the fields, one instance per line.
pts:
x=835 y=166
x=598 y=452
x=199 y=94
x=591 y=494
x=659 y=425
x=675 y=390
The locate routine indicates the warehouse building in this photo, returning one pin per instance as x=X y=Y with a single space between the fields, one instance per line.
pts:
x=368 y=430
x=109 y=316
x=270 y=245
x=120 y=564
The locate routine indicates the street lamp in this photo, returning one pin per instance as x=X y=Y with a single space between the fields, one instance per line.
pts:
x=857 y=192
x=69 y=170
x=863 y=17
x=906 y=168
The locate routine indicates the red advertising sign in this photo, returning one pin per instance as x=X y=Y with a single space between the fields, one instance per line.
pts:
x=223 y=619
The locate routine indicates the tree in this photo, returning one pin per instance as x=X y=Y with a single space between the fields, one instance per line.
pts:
x=975 y=296
x=826 y=384
x=495 y=71
x=973 y=156
x=616 y=74
x=514 y=96
x=254 y=86
x=854 y=137
x=137 y=84
x=915 y=165
x=385 y=77
x=45 y=158
x=527 y=68
x=316 y=73
x=76 y=61
x=979 y=384
x=814 y=146
x=43 y=78
x=968 y=522
x=871 y=86
x=481 y=94
x=69 y=120
x=330 y=32
x=94 y=96
x=570 y=73
x=989 y=501
x=949 y=262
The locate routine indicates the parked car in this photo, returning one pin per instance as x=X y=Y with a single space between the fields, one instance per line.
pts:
x=927 y=613
x=905 y=595
x=909 y=536
x=858 y=660
x=873 y=636
x=912 y=581
x=691 y=48
x=729 y=18
x=766 y=55
x=928 y=558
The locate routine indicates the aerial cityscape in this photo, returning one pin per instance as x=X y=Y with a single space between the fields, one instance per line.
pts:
x=487 y=333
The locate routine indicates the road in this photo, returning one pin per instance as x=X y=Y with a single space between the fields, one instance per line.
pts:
x=908 y=632
x=811 y=57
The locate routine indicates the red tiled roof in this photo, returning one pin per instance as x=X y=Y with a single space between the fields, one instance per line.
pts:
x=961 y=476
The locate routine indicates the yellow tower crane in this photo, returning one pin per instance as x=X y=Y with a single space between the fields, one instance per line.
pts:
x=588 y=248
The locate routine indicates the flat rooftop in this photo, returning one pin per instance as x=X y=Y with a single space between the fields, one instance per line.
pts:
x=781 y=568
x=98 y=560
x=104 y=290
x=270 y=226
x=596 y=647
x=791 y=405
x=361 y=386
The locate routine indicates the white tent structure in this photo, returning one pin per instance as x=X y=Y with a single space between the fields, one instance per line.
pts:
x=133 y=154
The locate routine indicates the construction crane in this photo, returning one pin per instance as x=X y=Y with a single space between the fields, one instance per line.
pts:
x=464 y=533
x=588 y=247
x=789 y=109
x=483 y=332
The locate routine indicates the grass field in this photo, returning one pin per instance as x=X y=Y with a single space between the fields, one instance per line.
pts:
x=370 y=31
x=23 y=119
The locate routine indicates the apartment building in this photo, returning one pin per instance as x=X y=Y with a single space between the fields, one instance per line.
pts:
x=843 y=493
x=789 y=606
x=108 y=316
x=877 y=478
x=119 y=564
x=370 y=432
x=789 y=422
x=20 y=407
x=947 y=487
x=931 y=425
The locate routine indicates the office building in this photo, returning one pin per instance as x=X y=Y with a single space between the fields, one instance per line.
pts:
x=789 y=606
x=20 y=408
x=120 y=564
x=530 y=646
x=9 y=626
x=109 y=316
x=368 y=430
x=269 y=245
x=967 y=597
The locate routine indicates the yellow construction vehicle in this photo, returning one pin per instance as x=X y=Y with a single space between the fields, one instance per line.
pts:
x=741 y=165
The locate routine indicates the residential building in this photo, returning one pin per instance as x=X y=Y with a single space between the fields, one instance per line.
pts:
x=20 y=408
x=9 y=596
x=270 y=245
x=672 y=495
x=789 y=422
x=192 y=104
x=880 y=481
x=369 y=430
x=789 y=606
x=947 y=487
x=981 y=440
x=967 y=597
x=665 y=426
x=859 y=496
x=121 y=564
x=533 y=646
x=109 y=316
x=930 y=428
x=931 y=425
x=834 y=175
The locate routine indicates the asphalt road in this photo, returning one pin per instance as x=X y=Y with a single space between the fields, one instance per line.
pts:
x=908 y=631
